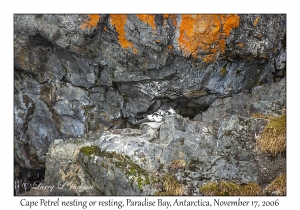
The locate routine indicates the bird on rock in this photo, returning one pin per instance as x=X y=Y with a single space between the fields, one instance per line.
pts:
x=155 y=120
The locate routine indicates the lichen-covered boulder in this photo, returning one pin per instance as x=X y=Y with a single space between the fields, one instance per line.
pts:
x=114 y=174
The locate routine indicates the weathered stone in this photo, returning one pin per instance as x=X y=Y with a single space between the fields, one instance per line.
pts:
x=226 y=153
x=76 y=74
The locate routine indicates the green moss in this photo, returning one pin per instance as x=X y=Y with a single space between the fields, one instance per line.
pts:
x=209 y=189
x=223 y=71
x=90 y=150
x=277 y=186
x=133 y=172
x=230 y=189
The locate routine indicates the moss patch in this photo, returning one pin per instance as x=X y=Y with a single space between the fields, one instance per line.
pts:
x=277 y=186
x=91 y=150
x=230 y=189
x=273 y=137
x=209 y=188
x=223 y=71
x=133 y=172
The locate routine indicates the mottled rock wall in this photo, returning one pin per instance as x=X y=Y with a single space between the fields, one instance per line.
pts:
x=76 y=74
x=221 y=147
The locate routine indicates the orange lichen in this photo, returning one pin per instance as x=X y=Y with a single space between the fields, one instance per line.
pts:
x=240 y=44
x=170 y=47
x=149 y=19
x=206 y=33
x=92 y=22
x=105 y=29
x=119 y=21
x=256 y=21
x=229 y=22
x=135 y=51
x=166 y=16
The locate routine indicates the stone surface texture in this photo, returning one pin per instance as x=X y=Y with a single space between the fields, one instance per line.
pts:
x=134 y=161
x=89 y=77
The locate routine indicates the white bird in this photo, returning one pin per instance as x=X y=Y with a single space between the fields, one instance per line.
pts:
x=156 y=117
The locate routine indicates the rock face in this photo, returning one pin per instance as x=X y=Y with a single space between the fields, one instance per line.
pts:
x=80 y=74
x=135 y=161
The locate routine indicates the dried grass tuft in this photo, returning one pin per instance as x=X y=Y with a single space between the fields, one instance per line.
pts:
x=273 y=137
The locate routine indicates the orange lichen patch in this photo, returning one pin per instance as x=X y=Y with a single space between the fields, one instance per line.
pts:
x=210 y=57
x=105 y=29
x=260 y=35
x=240 y=44
x=206 y=33
x=92 y=22
x=149 y=19
x=170 y=47
x=119 y=21
x=166 y=16
x=173 y=17
x=255 y=21
x=135 y=51
x=158 y=41
x=229 y=22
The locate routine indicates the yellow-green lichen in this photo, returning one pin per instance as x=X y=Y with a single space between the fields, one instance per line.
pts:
x=90 y=150
x=223 y=71
x=133 y=172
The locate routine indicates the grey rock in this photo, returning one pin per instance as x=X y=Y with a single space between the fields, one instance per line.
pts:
x=82 y=79
x=125 y=162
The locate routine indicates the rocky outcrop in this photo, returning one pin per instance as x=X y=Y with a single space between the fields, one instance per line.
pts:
x=76 y=74
x=191 y=152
